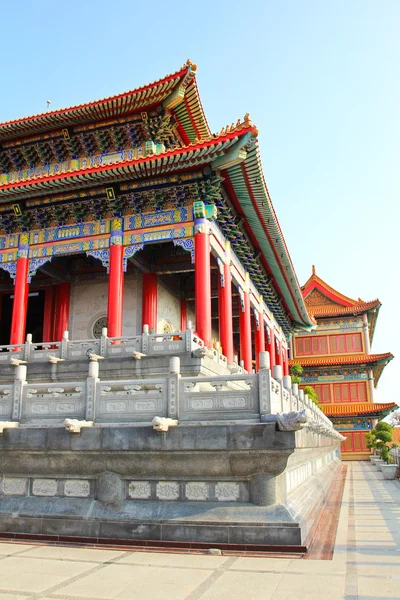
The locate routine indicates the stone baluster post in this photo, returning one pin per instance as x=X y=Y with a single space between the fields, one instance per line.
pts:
x=92 y=389
x=173 y=387
x=64 y=344
x=295 y=396
x=188 y=340
x=18 y=391
x=301 y=400
x=287 y=384
x=103 y=342
x=278 y=376
x=264 y=384
x=28 y=346
x=145 y=339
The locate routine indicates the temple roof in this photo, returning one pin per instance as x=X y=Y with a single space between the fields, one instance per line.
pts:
x=356 y=408
x=376 y=361
x=190 y=115
x=246 y=215
x=324 y=301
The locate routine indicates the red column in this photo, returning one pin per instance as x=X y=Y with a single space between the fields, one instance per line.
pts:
x=279 y=360
x=115 y=292
x=225 y=311
x=285 y=362
x=48 y=318
x=260 y=337
x=270 y=347
x=183 y=315
x=245 y=331
x=62 y=310
x=202 y=281
x=149 y=301
x=18 y=321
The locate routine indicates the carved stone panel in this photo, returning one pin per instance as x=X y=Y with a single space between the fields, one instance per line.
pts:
x=15 y=486
x=78 y=488
x=167 y=490
x=44 y=487
x=227 y=491
x=196 y=490
x=139 y=490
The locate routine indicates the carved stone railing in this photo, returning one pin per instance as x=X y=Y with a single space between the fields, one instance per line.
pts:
x=131 y=401
x=229 y=398
x=49 y=402
x=146 y=344
x=219 y=398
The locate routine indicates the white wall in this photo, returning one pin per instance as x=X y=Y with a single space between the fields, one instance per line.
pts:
x=169 y=310
x=89 y=303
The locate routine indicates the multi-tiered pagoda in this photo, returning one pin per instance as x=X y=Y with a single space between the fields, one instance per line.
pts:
x=338 y=363
x=128 y=211
x=143 y=277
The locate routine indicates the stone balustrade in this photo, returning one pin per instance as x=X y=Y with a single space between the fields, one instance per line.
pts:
x=232 y=398
x=146 y=344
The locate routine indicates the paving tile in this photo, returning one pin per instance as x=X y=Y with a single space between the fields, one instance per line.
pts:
x=128 y=582
x=199 y=561
x=12 y=548
x=234 y=586
x=337 y=566
x=315 y=587
x=374 y=537
x=24 y=574
x=94 y=555
x=254 y=563
x=378 y=588
x=12 y=597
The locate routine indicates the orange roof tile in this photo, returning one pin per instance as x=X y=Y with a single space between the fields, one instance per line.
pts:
x=332 y=310
x=341 y=359
x=355 y=408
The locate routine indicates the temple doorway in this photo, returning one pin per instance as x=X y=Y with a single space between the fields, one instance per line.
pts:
x=34 y=319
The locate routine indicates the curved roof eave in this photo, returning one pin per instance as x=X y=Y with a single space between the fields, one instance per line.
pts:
x=249 y=185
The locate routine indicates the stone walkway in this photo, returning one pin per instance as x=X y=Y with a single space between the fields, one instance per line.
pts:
x=365 y=566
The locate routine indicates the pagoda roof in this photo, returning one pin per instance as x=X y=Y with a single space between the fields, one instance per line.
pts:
x=323 y=301
x=377 y=362
x=190 y=116
x=356 y=408
x=335 y=311
x=233 y=153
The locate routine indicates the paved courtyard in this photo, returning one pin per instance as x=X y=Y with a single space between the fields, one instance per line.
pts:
x=365 y=566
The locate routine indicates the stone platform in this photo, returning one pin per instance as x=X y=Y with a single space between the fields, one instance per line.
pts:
x=232 y=458
x=237 y=484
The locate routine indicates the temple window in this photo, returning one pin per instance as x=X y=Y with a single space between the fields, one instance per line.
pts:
x=311 y=345
x=350 y=342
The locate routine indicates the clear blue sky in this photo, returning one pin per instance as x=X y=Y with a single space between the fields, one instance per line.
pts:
x=320 y=79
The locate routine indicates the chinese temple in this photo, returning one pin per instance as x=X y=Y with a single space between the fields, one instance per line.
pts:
x=118 y=193
x=146 y=301
x=338 y=363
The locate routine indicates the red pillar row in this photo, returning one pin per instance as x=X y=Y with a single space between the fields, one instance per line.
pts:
x=245 y=331
x=279 y=358
x=18 y=321
x=225 y=312
x=183 y=315
x=62 y=310
x=285 y=362
x=270 y=347
x=149 y=301
x=202 y=281
x=259 y=337
x=115 y=292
